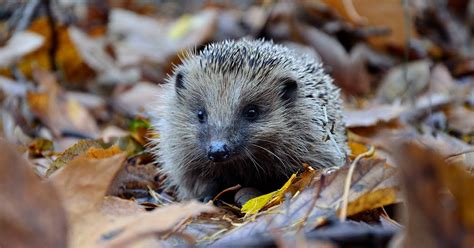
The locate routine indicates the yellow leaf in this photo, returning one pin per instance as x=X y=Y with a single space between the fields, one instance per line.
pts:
x=256 y=204
x=181 y=28
x=372 y=200
x=38 y=101
x=357 y=148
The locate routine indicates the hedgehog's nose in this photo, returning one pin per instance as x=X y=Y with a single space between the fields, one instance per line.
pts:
x=218 y=151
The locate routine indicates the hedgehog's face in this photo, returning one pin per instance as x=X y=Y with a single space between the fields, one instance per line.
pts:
x=232 y=116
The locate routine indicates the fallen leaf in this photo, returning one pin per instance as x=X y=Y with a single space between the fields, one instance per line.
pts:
x=139 y=38
x=436 y=217
x=19 y=45
x=99 y=221
x=370 y=116
x=83 y=182
x=71 y=153
x=94 y=55
x=38 y=146
x=372 y=200
x=383 y=14
x=461 y=119
x=348 y=69
x=394 y=86
x=59 y=113
x=256 y=204
x=137 y=99
x=12 y=88
x=67 y=58
x=322 y=199
x=31 y=213
x=158 y=221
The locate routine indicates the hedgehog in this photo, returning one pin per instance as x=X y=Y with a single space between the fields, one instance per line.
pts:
x=248 y=112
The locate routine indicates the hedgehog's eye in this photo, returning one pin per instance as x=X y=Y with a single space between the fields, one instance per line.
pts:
x=201 y=115
x=251 y=112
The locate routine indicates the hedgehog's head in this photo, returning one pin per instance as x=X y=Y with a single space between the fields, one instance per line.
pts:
x=235 y=99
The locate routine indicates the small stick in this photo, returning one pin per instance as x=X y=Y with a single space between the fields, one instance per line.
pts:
x=347 y=183
x=236 y=187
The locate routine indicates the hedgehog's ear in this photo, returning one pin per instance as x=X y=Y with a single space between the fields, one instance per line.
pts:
x=179 y=82
x=289 y=90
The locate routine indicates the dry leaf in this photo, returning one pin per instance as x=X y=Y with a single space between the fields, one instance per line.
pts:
x=137 y=38
x=108 y=222
x=394 y=86
x=436 y=217
x=69 y=154
x=256 y=204
x=461 y=119
x=59 y=113
x=84 y=181
x=31 y=214
x=370 y=116
x=137 y=99
x=94 y=55
x=322 y=199
x=67 y=58
x=19 y=45
x=383 y=14
x=348 y=69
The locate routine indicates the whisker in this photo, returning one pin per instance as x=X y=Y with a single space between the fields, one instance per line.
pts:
x=271 y=153
x=257 y=166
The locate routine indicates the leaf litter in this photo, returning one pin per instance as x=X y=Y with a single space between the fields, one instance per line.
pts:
x=76 y=87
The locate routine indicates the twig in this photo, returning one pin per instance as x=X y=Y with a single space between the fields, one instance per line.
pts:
x=236 y=187
x=347 y=183
x=313 y=202
x=459 y=153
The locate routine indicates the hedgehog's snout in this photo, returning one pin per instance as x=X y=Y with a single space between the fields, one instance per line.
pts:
x=218 y=151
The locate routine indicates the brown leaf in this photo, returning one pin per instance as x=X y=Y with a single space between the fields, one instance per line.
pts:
x=139 y=38
x=135 y=179
x=107 y=222
x=94 y=55
x=461 y=119
x=159 y=221
x=372 y=115
x=31 y=214
x=135 y=100
x=394 y=86
x=57 y=111
x=384 y=14
x=323 y=198
x=83 y=182
x=67 y=58
x=436 y=217
x=69 y=154
x=348 y=69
